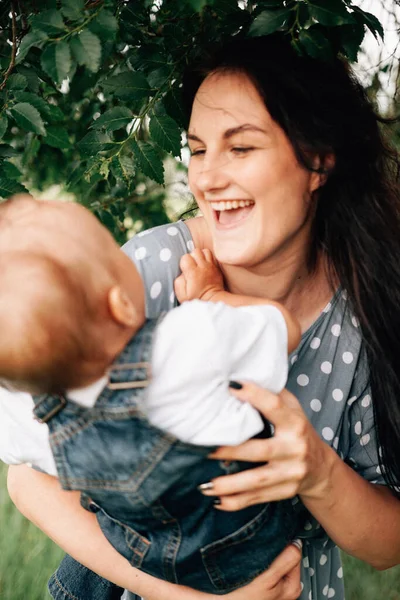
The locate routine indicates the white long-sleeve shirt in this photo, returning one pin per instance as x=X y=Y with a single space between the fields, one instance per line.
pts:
x=198 y=348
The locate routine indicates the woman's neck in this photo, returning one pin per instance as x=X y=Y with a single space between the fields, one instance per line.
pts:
x=290 y=282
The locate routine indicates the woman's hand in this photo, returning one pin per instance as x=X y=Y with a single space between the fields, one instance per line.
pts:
x=280 y=582
x=296 y=460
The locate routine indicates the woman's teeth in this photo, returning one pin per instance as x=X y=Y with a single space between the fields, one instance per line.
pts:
x=230 y=204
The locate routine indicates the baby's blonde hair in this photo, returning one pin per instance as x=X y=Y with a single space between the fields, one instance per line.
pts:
x=44 y=314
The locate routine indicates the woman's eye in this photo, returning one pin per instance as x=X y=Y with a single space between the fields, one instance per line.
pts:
x=242 y=149
x=198 y=152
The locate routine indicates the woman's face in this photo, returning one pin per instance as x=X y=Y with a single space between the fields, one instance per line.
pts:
x=253 y=193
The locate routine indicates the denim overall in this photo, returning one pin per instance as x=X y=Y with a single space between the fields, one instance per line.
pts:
x=142 y=483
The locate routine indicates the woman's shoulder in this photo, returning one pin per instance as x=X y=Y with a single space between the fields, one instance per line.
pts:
x=157 y=253
x=175 y=237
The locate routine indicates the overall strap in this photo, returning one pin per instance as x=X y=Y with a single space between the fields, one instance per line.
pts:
x=130 y=370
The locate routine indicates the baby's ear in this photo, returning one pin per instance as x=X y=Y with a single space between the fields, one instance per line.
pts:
x=122 y=308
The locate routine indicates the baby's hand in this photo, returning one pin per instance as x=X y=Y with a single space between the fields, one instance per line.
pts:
x=201 y=277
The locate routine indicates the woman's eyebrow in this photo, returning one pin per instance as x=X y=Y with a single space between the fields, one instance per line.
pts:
x=232 y=131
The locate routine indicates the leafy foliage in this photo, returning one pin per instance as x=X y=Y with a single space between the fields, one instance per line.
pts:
x=90 y=89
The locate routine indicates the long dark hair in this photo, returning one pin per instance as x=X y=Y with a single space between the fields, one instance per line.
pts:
x=324 y=110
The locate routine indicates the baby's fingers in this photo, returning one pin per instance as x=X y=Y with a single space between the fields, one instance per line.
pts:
x=180 y=288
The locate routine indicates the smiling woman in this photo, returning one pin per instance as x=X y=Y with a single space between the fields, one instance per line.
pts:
x=235 y=161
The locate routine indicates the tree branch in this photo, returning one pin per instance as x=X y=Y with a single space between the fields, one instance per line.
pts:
x=14 y=47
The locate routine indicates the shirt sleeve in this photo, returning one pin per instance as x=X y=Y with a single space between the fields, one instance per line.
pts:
x=22 y=439
x=198 y=348
x=156 y=254
x=363 y=451
x=359 y=447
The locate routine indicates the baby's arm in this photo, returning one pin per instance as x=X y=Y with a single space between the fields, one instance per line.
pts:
x=202 y=279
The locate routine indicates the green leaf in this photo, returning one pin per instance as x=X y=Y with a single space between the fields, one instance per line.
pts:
x=33 y=38
x=269 y=21
x=128 y=86
x=17 y=82
x=105 y=25
x=6 y=151
x=50 y=112
x=32 y=79
x=330 y=12
x=173 y=103
x=32 y=147
x=86 y=49
x=8 y=187
x=165 y=133
x=114 y=119
x=373 y=24
x=351 y=37
x=197 y=5
x=3 y=125
x=158 y=77
x=49 y=21
x=28 y=117
x=94 y=142
x=107 y=219
x=36 y=101
x=148 y=160
x=315 y=43
x=127 y=168
x=105 y=168
x=9 y=170
x=56 y=61
x=57 y=137
x=72 y=9
x=54 y=113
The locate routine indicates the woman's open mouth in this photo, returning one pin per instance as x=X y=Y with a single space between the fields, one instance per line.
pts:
x=230 y=212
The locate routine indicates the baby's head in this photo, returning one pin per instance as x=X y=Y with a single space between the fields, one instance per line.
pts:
x=69 y=298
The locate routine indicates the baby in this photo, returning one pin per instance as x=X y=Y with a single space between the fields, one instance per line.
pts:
x=134 y=406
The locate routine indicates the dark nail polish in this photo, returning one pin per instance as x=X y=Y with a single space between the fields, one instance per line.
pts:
x=235 y=385
x=203 y=487
x=216 y=501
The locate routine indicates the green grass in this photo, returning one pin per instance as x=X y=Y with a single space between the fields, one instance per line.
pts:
x=27 y=558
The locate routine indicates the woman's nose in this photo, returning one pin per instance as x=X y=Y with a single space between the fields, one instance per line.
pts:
x=212 y=176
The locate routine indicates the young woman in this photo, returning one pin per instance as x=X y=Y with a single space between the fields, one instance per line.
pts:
x=300 y=203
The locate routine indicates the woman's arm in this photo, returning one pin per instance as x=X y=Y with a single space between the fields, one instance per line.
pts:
x=362 y=518
x=59 y=514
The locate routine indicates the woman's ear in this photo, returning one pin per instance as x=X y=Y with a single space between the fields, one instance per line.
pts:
x=317 y=180
x=122 y=307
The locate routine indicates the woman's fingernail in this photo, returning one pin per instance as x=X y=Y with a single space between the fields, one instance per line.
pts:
x=235 y=385
x=203 y=487
x=298 y=543
x=217 y=501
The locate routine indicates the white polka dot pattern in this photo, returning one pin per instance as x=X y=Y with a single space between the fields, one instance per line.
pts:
x=165 y=254
x=140 y=253
x=326 y=367
x=155 y=289
x=347 y=358
x=316 y=405
x=315 y=343
x=337 y=395
x=303 y=380
x=327 y=433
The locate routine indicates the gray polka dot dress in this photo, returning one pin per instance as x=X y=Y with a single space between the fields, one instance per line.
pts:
x=328 y=374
